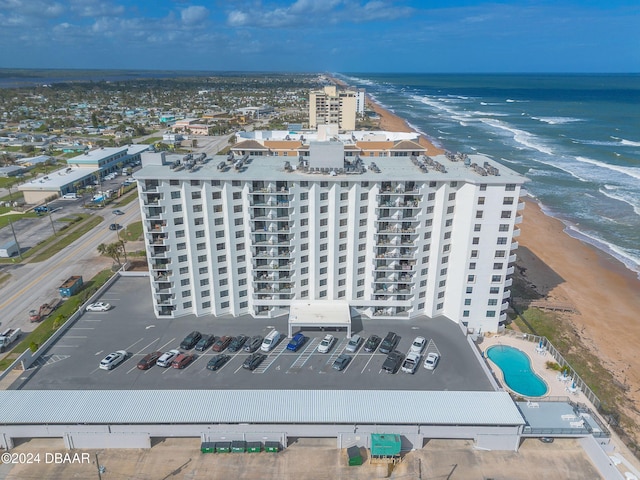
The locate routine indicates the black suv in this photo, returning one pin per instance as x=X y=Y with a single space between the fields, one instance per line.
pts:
x=237 y=343
x=393 y=361
x=190 y=340
x=389 y=342
x=205 y=342
x=372 y=343
x=253 y=361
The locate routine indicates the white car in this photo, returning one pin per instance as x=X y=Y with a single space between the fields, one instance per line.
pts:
x=70 y=196
x=418 y=344
x=98 y=307
x=167 y=357
x=431 y=361
x=113 y=359
x=326 y=344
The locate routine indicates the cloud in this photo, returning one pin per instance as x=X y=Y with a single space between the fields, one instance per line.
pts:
x=96 y=8
x=33 y=8
x=194 y=15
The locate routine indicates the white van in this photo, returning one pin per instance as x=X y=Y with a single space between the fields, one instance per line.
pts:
x=270 y=341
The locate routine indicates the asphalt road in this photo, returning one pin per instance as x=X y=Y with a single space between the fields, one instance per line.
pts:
x=32 y=284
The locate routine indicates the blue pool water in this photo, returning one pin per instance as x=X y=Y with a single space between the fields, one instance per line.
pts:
x=516 y=367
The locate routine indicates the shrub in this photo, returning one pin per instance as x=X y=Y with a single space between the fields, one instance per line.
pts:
x=33 y=346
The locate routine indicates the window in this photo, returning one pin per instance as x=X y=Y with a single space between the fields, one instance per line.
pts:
x=178 y=221
x=342 y=247
x=196 y=195
x=174 y=182
x=240 y=258
x=324 y=184
x=220 y=246
x=510 y=187
x=422 y=294
x=446 y=248
x=201 y=246
x=243 y=293
x=186 y=293
x=197 y=208
x=497 y=266
x=481 y=199
x=242 y=282
x=195 y=183
x=304 y=246
x=448 y=223
x=472 y=266
x=450 y=209
x=344 y=184
x=198 y=221
x=239 y=234
x=304 y=293
x=324 y=196
x=237 y=209
x=217 y=209
x=362 y=259
x=431 y=196
x=471 y=278
x=430 y=209
x=494 y=290
x=237 y=222
x=363 y=222
x=502 y=240
x=469 y=290
x=323 y=282
x=237 y=195
x=477 y=227
x=203 y=270
x=467 y=301
x=223 y=282
x=222 y=258
x=186 y=305
x=241 y=271
x=206 y=304
x=323 y=234
x=175 y=195
x=181 y=246
x=361 y=247
x=341 y=282
x=179 y=233
x=483 y=187
x=323 y=293
x=323 y=222
x=465 y=313
x=360 y=283
x=496 y=278
x=506 y=214
x=240 y=246
x=364 y=196
x=244 y=304
x=361 y=271
x=216 y=195
x=491 y=313
x=343 y=222
x=323 y=259
x=205 y=293
x=341 y=294
x=360 y=294
x=224 y=293
x=452 y=196
x=443 y=271
x=500 y=253
x=424 y=271
x=474 y=253
x=323 y=271
x=220 y=234
x=362 y=235
x=492 y=302
x=440 y=306
x=442 y=283
x=304 y=258
x=447 y=235
x=184 y=271
x=304 y=270
x=425 y=260
x=344 y=209
x=479 y=213
x=507 y=201
x=304 y=222
x=202 y=258
x=224 y=305
x=235 y=183
x=363 y=209
x=323 y=246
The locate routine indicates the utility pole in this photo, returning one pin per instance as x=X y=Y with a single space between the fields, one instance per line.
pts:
x=51 y=220
x=15 y=238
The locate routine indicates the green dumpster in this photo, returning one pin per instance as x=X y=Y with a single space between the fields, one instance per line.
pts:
x=271 y=447
x=238 y=446
x=223 y=447
x=354 y=455
x=207 y=447
x=254 y=447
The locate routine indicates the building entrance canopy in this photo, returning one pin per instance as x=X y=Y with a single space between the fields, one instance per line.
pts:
x=329 y=314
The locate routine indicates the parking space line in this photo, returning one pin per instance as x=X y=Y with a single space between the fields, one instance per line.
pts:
x=305 y=355
x=368 y=362
x=163 y=347
x=82 y=328
x=338 y=350
x=144 y=348
x=133 y=344
x=77 y=336
x=264 y=366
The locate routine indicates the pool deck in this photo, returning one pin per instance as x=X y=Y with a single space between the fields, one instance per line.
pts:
x=556 y=387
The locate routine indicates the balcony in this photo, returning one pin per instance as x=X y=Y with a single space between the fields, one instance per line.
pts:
x=510 y=270
x=391 y=255
x=518 y=220
x=508 y=282
x=506 y=294
x=503 y=317
x=159 y=254
x=514 y=246
x=516 y=232
x=272 y=277
x=281 y=253
x=512 y=258
x=382 y=266
x=520 y=206
x=504 y=306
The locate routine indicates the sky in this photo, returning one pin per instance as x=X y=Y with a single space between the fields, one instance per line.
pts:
x=458 y=36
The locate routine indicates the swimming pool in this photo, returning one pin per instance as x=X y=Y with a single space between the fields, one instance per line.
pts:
x=517 y=372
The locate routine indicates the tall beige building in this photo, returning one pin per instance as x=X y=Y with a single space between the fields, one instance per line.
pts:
x=333 y=106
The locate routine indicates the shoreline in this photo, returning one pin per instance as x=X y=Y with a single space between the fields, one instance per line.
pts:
x=604 y=290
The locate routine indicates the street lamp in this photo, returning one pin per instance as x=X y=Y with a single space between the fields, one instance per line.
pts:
x=121 y=241
x=49 y=212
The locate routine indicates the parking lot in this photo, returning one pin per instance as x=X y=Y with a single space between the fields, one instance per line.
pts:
x=72 y=363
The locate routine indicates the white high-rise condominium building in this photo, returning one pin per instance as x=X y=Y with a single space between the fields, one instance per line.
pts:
x=394 y=236
x=333 y=106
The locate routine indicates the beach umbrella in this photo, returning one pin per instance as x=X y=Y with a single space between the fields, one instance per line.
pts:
x=540 y=344
x=573 y=385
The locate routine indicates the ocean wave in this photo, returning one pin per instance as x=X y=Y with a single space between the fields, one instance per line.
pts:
x=621 y=197
x=520 y=136
x=557 y=120
x=630 y=171
x=628 y=143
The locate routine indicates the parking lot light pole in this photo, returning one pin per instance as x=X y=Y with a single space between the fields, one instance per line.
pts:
x=15 y=238
x=51 y=220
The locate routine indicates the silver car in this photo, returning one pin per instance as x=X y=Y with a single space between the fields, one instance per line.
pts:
x=354 y=343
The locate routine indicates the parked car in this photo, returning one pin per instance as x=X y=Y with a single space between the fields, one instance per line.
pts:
x=167 y=357
x=253 y=344
x=392 y=362
x=270 y=341
x=205 y=342
x=113 y=360
x=118 y=212
x=183 y=360
x=237 y=343
x=372 y=343
x=69 y=196
x=341 y=362
x=98 y=307
x=190 y=340
x=253 y=361
x=296 y=342
x=354 y=343
x=115 y=226
x=326 y=343
x=418 y=344
x=217 y=362
x=431 y=362
x=221 y=343
x=41 y=209
x=411 y=362
x=389 y=342
x=149 y=360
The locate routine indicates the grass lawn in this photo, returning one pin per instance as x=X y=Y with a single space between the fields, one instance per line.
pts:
x=133 y=232
x=4 y=219
x=53 y=245
x=150 y=140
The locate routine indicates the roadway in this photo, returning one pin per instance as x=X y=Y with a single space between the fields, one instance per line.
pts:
x=32 y=284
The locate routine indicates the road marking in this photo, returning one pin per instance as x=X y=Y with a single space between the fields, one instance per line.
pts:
x=305 y=355
x=279 y=350
x=92 y=320
x=149 y=345
x=162 y=348
x=68 y=346
x=76 y=336
x=82 y=328
x=133 y=344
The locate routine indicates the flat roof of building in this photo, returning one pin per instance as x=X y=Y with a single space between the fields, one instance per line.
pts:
x=54 y=181
x=389 y=169
x=258 y=406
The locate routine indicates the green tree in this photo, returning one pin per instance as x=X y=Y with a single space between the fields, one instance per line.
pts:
x=94 y=120
x=113 y=250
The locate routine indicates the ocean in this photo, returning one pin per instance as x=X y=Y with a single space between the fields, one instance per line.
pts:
x=576 y=137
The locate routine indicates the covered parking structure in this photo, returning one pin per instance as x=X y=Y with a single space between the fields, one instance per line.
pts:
x=319 y=315
x=133 y=418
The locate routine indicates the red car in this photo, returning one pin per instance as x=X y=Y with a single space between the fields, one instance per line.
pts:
x=183 y=360
x=149 y=360
x=221 y=344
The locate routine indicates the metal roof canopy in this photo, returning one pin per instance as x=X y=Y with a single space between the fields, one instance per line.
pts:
x=336 y=314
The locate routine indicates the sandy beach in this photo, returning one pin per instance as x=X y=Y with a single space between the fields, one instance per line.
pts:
x=603 y=292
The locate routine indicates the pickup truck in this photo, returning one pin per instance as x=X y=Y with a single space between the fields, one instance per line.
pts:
x=411 y=362
x=44 y=311
x=8 y=337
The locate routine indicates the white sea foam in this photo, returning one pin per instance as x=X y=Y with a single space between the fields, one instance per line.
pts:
x=630 y=171
x=557 y=120
x=628 y=198
x=520 y=136
x=629 y=143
